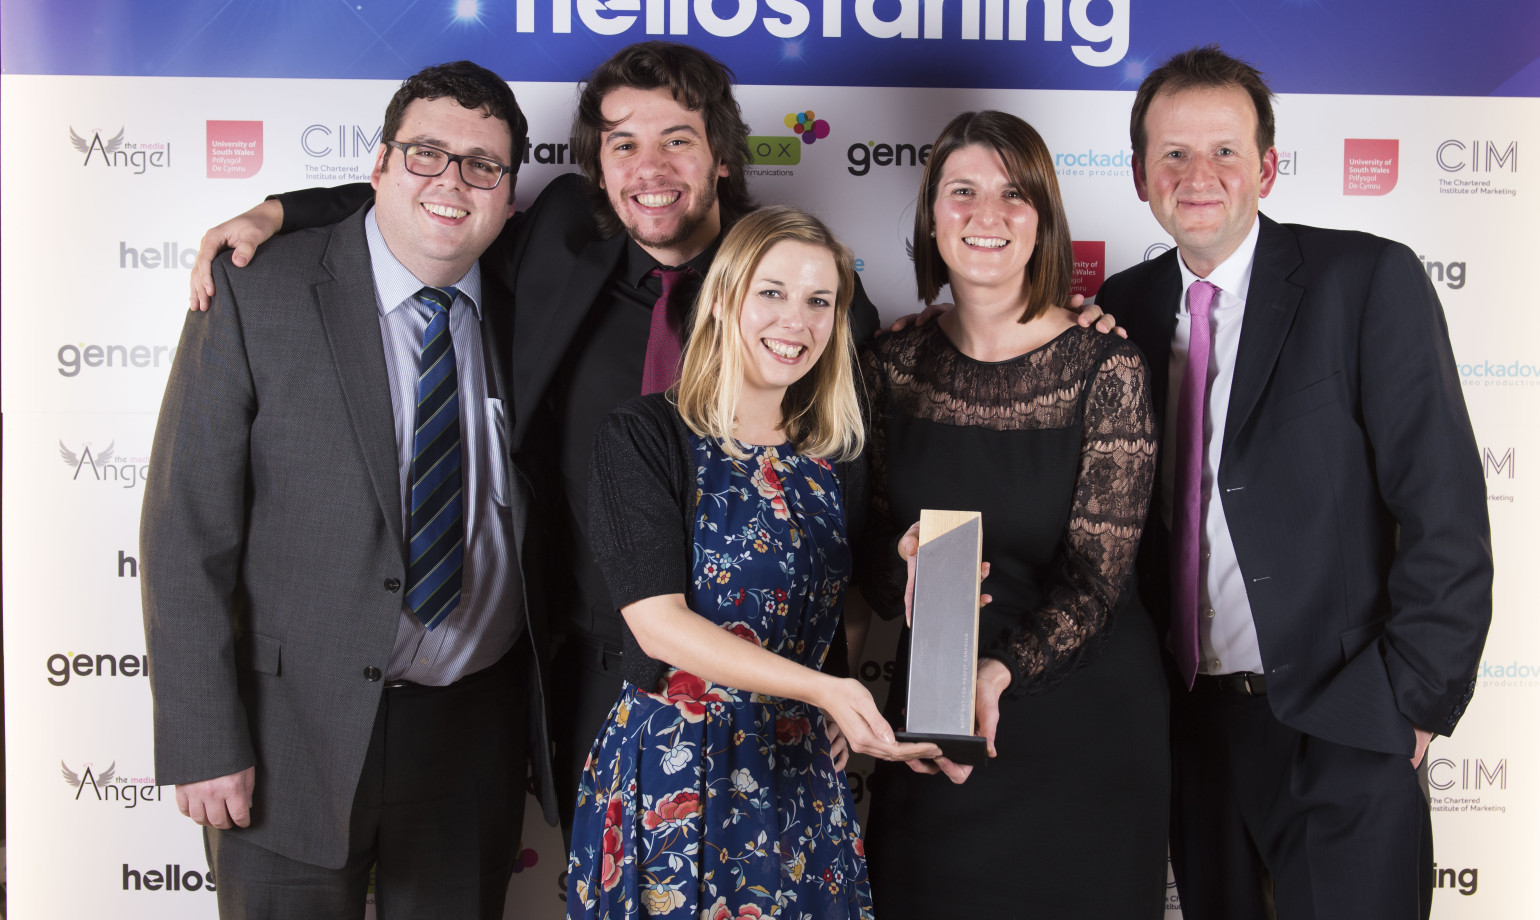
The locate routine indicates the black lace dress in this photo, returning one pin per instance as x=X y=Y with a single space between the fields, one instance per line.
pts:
x=1057 y=449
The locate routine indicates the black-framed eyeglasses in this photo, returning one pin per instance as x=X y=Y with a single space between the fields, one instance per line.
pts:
x=429 y=161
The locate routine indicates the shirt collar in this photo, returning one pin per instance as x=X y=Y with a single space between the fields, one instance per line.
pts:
x=1233 y=275
x=639 y=264
x=394 y=283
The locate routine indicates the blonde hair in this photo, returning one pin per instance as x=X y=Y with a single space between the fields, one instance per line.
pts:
x=820 y=413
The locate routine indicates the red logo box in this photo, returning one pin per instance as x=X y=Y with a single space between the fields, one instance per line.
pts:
x=235 y=149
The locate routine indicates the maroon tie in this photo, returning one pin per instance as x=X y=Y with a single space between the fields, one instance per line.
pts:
x=661 y=369
x=1187 y=509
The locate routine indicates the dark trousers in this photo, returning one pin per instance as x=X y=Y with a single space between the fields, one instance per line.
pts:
x=438 y=811
x=1264 y=816
x=585 y=682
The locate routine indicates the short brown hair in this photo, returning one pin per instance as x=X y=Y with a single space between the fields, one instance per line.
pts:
x=821 y=414
x=473 y=87
x=1202 y=68
x=700 y=83
x=1029 y=166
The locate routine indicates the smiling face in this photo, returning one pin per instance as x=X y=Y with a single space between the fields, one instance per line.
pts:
x=438 y=227
x=787 y=316
x=1201 y=171
x=985 y=228
x=659 y=173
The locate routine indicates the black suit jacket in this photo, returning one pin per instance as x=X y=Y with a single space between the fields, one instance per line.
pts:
x=1350 y=479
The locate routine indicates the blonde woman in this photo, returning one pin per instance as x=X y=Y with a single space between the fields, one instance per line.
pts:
x=716 y=788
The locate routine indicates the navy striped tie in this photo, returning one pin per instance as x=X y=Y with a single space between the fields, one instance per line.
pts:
x=437 y=518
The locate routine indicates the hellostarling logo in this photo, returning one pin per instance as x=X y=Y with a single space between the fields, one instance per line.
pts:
x=771 y=150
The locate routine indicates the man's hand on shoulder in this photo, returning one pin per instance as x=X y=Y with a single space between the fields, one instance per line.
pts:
x=1091 y=315
x=223 y=802
x=243 y=234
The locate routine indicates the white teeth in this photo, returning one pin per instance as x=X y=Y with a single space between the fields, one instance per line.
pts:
x=444 y=211
x=986 y=242
x=783 y=349
x=659 y=200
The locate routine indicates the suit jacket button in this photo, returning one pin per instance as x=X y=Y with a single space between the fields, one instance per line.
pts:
x=392 y=585
x=371 y=673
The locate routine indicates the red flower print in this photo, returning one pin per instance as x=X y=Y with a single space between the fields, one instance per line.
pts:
x=743 y=631
x=610 y=873
x=673 y=809
x=689 y=694
x=790 y=731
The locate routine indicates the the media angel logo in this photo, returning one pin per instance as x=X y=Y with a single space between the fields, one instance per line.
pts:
x=97 y=461
x=108 y=786
x=104 y=465
x=96 y=144
x=117 y=152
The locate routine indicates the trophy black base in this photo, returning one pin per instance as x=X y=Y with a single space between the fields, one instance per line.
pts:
x=967 y=749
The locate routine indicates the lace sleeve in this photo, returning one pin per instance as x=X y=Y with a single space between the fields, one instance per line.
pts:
x=878 y=572
x=1094 y=565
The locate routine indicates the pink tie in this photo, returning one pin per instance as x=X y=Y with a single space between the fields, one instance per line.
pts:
x=660 y=370
x=1187 y=510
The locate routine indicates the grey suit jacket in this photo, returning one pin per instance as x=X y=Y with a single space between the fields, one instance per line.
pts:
x=271 y=539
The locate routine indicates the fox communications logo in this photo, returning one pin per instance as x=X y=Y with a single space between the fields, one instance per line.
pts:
x=117 y=153
x=768 y=150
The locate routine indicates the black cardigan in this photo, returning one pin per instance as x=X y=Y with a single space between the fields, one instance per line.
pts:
x=641 y=508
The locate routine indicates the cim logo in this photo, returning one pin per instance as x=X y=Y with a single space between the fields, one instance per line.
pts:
x=235 y=149
x=104 y=465
x=1499 y=465
x=1155 y=250
x=172 y=878
x=355 y=141
x=1370 y=166
x=64 y=665
x=863 y=157
x=91 y=784
x=1477 y=156
x=117 y=153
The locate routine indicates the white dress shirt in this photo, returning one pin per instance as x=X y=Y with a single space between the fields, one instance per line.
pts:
x=483 y=626
x=1227 y=637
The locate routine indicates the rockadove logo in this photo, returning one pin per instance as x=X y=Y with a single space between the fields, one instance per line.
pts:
x=172 y=878
x=1370 y=166
x=235 y=149
x=73 y=357
x=64 y=665
x=863 y=157
x=1478 y=167
x=1094 y=162
x=114 y=152
x=103 y=464
x=1488 y=373
x=1508 y=674
x=106 y=786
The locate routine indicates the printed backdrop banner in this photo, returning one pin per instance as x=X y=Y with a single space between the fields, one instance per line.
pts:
x=130 y=128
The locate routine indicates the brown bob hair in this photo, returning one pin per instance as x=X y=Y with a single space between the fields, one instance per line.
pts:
x=700 y=83
x=1029 y=166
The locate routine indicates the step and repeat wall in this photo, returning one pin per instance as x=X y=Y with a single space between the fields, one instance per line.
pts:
x=128 y=129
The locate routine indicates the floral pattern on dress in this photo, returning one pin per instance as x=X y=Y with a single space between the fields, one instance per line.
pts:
x=703 y=802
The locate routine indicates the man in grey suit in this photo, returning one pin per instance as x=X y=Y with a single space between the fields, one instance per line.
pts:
x=345 y=676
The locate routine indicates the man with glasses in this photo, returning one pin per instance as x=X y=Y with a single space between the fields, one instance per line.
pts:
x=345 y=676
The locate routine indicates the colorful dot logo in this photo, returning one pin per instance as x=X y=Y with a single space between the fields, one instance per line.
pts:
x=808 y=126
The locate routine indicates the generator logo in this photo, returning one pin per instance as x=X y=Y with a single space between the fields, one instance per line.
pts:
x=768 y=151
x=64 y=665
x=235 y=149
x=341 y=152
x=1478 y=168
x=104 y=785
x=104 y=464
x=114 y=152
x=1370 y=166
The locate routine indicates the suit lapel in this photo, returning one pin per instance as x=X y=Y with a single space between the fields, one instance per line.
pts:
x=352 y=323
x=1271 y=302
x=1159 y=309
x=546 y=324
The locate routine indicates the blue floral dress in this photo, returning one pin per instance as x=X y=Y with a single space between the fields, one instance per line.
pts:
x=702 y=801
